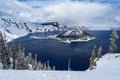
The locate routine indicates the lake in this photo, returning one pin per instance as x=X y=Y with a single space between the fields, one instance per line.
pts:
x=59 y=53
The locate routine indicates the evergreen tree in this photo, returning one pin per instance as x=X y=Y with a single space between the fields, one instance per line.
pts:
x=45 y=66
x=25 y=64
x=35 y=64
x=40 y=65
x=29 y=61
x=99 y=54
x=69 y=65
x=21 y=49
x=14 y=56
x=20 y=61
x=53 y=68
x=114 y=37
x=21 y=56
x=48 y=66
x=92 y=59
x=4 y=53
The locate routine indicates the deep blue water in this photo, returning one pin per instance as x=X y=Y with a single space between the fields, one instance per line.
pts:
x=59 y=53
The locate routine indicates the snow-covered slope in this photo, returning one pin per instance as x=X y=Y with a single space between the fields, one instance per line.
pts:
x=15 y=30
x=12 y=33
x=109 y=62
x=108 y=68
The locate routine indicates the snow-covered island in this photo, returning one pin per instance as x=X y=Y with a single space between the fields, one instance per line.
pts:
x=75 y=35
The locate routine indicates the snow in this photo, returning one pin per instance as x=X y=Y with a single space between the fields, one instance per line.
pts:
x=64 y=41
x=74 y=35
x=73 y=32
x=107 y=69
x=67 y=33
x=76 y=40
x=14 y=33
x=110 y=61
x=46 y=28
x=44 y=37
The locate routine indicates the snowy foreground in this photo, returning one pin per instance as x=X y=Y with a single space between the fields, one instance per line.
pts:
x=108 y=68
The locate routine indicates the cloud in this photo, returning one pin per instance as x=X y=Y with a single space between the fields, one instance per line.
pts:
x=77 y=10
x=13 y=8
x=95 y=15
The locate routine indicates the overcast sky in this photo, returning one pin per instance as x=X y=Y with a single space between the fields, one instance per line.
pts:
x=95 y=14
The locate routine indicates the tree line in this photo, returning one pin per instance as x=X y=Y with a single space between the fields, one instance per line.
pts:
x=112 y=48
x=17 y=60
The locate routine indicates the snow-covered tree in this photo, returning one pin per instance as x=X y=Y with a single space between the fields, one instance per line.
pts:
x=29 y=58
x=48 y=66
x=29 y=61
x=53 y=68
x=35 y=63
x=40 y=65
x=114 y=37
x=4 y=52
x=17 y=59
x=14 y=56
x=44 y=66
x=69 y=61
x=99 y=54
x=21 y=57
x=92 y=59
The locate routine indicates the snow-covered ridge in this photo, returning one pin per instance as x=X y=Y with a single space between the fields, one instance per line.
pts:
x=14 y=30
x=107 y=69
x=13 y=33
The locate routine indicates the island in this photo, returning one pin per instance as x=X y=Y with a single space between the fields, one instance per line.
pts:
x=75 y=35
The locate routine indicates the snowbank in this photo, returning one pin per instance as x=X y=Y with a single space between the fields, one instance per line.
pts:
x=107 y=69
x=109 y=62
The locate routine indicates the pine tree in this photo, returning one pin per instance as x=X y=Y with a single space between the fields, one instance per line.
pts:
x=40 y=65
x=4 y=53
x=54 y=68
x=114 y=37
x=21 y=56
x=45 y=66
x=21 y=49
x=29 y=61
x=92 y=59
x=69 y=65
x=48 y=66
x=14 y=56
x=35 y=63
x=25 y=64
x=99 y=54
